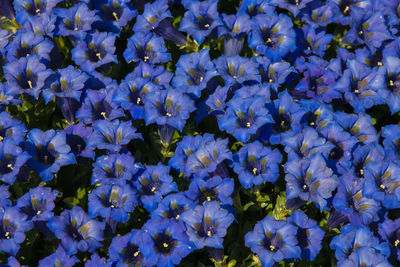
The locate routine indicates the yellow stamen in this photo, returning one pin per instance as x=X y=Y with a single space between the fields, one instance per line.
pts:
x=98 y=55
x=360 y=32
x=136 y=253
x=201 y=79
x=304 y=186
x=248 y=125
x=208 y=233
x=254 y=171
x=168 y=114
x=356 y=91
x=382 y=186
x=38 y=11
x=379 y=63
x=312 y=123
x=297 y=2
x=115 y=16
x=177 y=216
x=271 y=247
x=38 y=212
x=10 y=166
x=130 y=61
x=165 y=245
x=346 y=9
x=104 y=115
x=234 y=77
x=138 y=101
x=396 y=242
x=112 y=206
x=76 y=28
x=1 y=138
x=207 y=26
x=146 y=58
x=208 y=198
x=362 y=172
x=391 y=83
x=30 y=84
x=153 y=189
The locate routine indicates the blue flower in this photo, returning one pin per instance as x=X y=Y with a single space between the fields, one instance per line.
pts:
x=48 y=151
x=359 y=125
x=193 y=72
x=169 y=242
x=69 y=83
x=76 y=21
x=168 y=107
x=273 y=73
x=59 y=257
x=255 y=7
x=116 y=14
x=391 y=142
x=211 y=189
x=13 y=225
x=200 y=19
x=97 y=50
x=4 y=195
x=207 y=224
x=155 y=74
x=27 y=75
x=8 y=95
x=96 y=261
x=273 y=241
x=77 y=230
x=147 y=47
x=38 y=203
x=310 y=180
x=216 y=102
x=295 y=7
x=98 y=105
x=309 y=235
x=172 y=206
x=153 y=14
x=114 y=169
x=124 y=250
x=26 y=43
x=44 y=24
x=255 y=163
x=244 y=117
x=306 y=144
x=112 y=201
x=366 y=257
x=26 y=9
x=236 y=69
x=315 y=41
x=76 y=137
x=112 y=135
x=153 y=184
x=11 y=128
x=352 y=240
x=318 y=115
x=273 y=36
x=389 y=231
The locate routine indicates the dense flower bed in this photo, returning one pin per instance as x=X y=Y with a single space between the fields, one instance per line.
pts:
x=200 y=133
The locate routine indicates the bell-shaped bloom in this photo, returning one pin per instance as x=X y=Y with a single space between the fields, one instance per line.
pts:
x=147 y=47
x=350 y=201
x=254 y=7
x=207 y=224
x=97 y=50
x=172 y=206
x=168 y=244
x=115 y=13
x=387 y=82
x=155 y=74
x=370 y=58
x=4 y=195
x=359 y=125
x=26 y=43
x=124 y=250
x=310 y=180
x=76 y=21
x=309 y=235
x=112 y=135
x=286 y=115
x=59 y=257
x=44 y=24
x=391 y=142
x=318 y=115
x=236 y=69
x=11 y=128
x=255 y=163
x=207 y=157
x=98 y=105
x=153 y=184
x=77 y=230
x=352 y=240
x=211 y=189
x=27 y=75
x=273 y=241
x=49 y=151
x=153 y=14
x=200 y=19
x=96 y=261
x=355 y=85
x=38 y=203
x=69 y=83
x=306 y=144
x=216 y=102
x=365 y=257
x=315 y=41
x=273 y=36
x=382 y=182
x=8 y=95
x=13 y=225
x=114 y=169
x=112 y=201
x=169 y=107
x=244 y=117
x=193 y=72
x=389 y=231
x=77 y=136
x=26 y=9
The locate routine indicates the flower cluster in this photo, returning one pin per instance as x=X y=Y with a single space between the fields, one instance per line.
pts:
x=158 y=133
